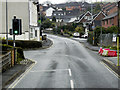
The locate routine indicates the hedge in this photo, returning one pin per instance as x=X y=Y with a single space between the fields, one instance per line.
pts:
x=20 y=45
x=24 y=44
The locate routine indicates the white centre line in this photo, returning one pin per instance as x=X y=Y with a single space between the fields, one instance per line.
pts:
x=72 y=84
x=49 y=70
x=69 y=70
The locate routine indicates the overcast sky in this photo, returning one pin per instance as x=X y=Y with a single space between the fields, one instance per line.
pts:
x=62 y=1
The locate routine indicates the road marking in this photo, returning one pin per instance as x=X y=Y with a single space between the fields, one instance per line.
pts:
x=49 y=70
x=72 y=84
x=108 y=61
x=21 y=76
x=69 y=70
x=109 y=69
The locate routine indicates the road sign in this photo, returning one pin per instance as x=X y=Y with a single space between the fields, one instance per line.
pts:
x=93 y=27
x=39 y=21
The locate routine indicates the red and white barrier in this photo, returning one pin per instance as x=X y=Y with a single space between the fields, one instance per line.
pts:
x=107 y=52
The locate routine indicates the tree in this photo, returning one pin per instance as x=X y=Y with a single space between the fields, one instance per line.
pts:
x=97 y=8
x=46 y=24
x=43 y=18
x=54 y=19
x=97 y=33
x=112 y=29
x=80 y=30
x=52 y=25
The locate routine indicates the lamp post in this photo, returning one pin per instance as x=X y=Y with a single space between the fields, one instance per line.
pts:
x=6 y=22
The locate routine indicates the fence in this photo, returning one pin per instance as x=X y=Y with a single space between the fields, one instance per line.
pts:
x=5 y=61
x=107 y=40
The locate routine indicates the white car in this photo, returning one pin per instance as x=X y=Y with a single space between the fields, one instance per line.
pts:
x=84 y=36
x=76 y=34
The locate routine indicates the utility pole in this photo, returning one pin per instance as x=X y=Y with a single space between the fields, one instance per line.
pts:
x=101 y=29
x=91 y=20
x=6 y=22
x=40 y=25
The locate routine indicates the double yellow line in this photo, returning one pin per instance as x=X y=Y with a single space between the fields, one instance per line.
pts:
x=20 y=77
x=116 y=74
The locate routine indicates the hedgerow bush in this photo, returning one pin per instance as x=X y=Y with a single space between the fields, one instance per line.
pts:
x=24 y=44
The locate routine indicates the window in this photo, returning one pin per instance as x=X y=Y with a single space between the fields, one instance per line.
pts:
x=89 y=17
x=31 y=35
x=31 y=30
x=55 y=14
x=107 y=21
x=85 y=17
x=35 y=33
x=111 y=21
x=103 y=22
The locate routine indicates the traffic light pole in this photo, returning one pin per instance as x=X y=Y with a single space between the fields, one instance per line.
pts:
x=14 y=49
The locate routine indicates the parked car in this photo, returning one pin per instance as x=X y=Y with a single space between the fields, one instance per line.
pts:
x=76 y=34
x=84 y=36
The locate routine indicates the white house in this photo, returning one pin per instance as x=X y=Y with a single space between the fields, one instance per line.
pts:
x=49 y=11
x=22 y=9
x=34 y=29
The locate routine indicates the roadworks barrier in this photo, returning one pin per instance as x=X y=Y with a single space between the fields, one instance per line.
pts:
x=107 y=52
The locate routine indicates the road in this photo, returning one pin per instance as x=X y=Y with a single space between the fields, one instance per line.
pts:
x=66 y=64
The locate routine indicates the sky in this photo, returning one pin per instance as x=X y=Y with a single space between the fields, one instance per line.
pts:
x=62 y=1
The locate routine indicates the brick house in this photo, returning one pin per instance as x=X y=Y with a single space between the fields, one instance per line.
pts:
x=97 y=19
x=110 y=20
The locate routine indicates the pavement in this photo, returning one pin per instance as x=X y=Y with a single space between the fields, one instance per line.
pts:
x=46 y=43
x=109 y=62
x=86 y=44
x=12 y=73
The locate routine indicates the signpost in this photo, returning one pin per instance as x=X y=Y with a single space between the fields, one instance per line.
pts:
x=93 y=28
x=118 y=33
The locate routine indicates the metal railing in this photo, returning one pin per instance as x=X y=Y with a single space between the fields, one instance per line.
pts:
x=5 y=61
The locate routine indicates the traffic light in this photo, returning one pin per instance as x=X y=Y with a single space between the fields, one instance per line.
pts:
x=11 y=32
x=17 y=26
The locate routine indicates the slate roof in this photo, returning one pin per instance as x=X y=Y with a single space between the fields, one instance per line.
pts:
x=111 y=16
x=75 y=12
x=111 y=7
x=63 y=5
